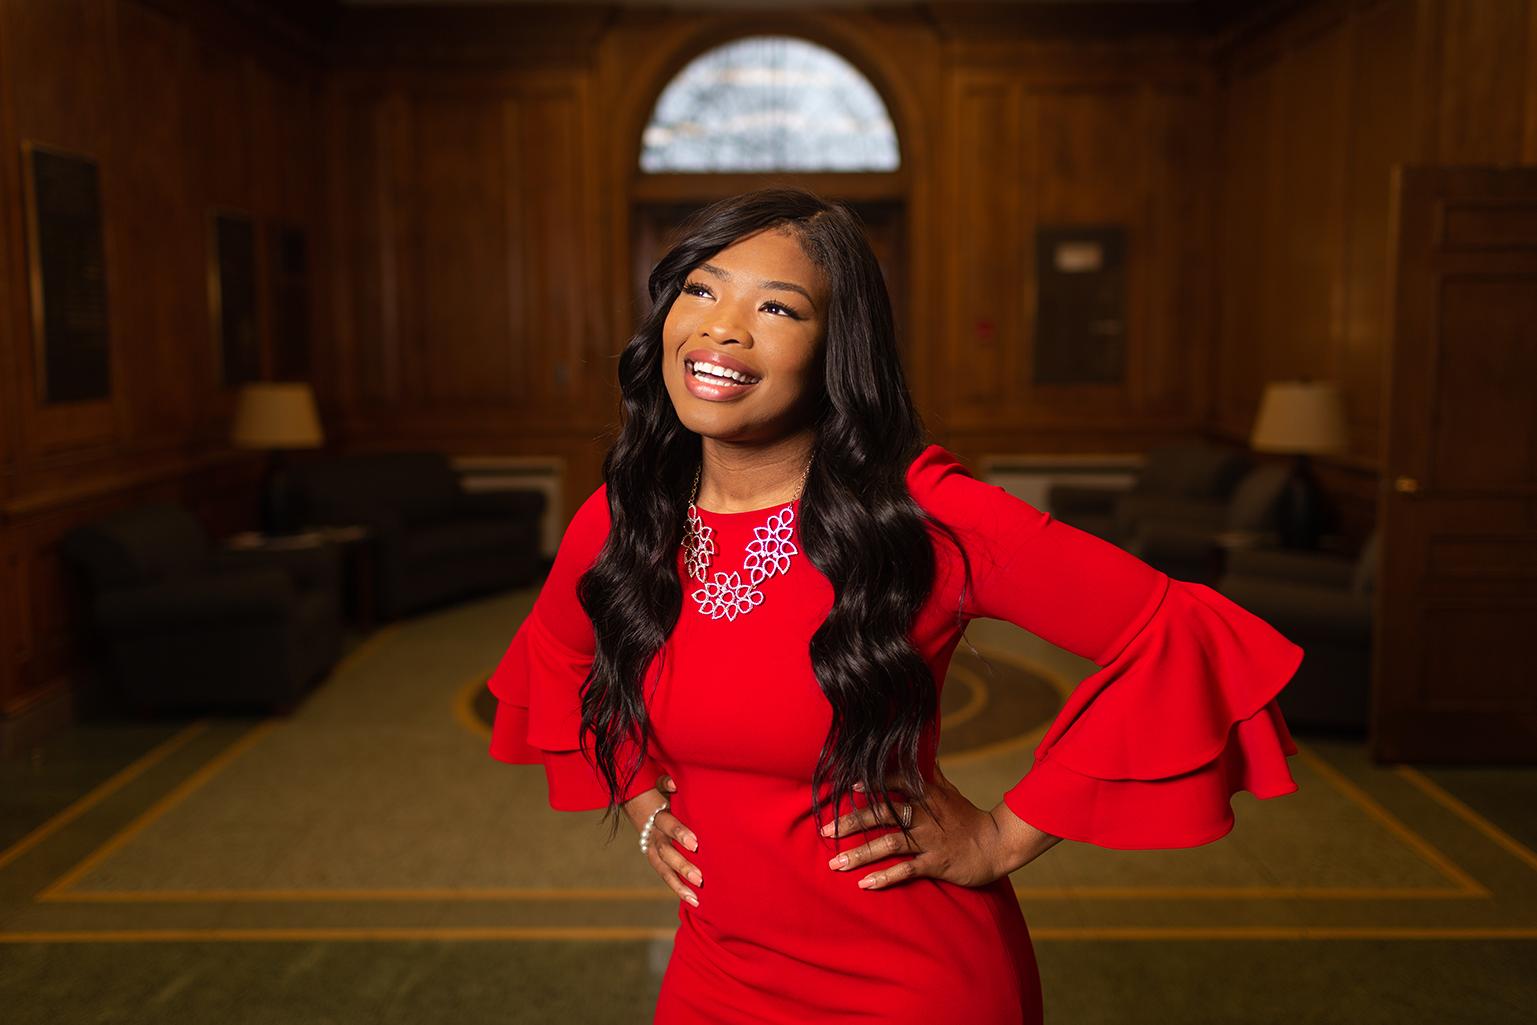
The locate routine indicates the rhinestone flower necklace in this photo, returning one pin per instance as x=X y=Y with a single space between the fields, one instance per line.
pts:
x=767 y=553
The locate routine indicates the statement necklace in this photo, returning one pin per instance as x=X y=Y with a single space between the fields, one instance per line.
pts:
x=767 y=553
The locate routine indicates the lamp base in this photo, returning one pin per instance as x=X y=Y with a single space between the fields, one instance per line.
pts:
x=280 y=512
x=1300 y=517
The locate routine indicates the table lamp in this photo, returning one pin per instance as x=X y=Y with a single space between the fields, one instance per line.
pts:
x=1300 y=418
x=278 y=416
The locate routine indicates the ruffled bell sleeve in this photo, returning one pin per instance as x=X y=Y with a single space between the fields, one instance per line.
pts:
x=538 y=681
x=1148 y=751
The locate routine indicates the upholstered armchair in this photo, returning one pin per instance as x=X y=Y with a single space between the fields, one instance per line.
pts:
x=1324 y=603
x=1193 y=548
x=186 y=626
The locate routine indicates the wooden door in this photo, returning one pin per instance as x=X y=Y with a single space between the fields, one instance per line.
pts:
x=1456 y=604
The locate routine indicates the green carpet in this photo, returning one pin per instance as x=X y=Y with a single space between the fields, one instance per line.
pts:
x=364 y=860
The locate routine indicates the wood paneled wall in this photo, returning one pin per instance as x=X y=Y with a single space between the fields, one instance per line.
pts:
x=466 y=176
x=484 y=174
x=1316 y=111
x=1073 y=133
x=456 y=317
x=473 y=302
x=185 y=107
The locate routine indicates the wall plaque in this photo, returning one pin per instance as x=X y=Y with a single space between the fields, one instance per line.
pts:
x=67 y=275
x=1080 y=313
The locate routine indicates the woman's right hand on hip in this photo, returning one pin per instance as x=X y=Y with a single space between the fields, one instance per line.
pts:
x=676 y=870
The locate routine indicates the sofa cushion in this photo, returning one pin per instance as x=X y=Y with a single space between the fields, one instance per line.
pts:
x=1258 y=496
x=1192 y=471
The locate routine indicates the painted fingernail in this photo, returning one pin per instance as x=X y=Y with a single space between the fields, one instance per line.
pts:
x=868 y=881
x=827 y=830
x=691 y=899
x=838 y=861
x=860 y=787
x=697 y=877
x=693 y=842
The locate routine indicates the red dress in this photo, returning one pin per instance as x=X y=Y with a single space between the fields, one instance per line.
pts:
x=1146 y=753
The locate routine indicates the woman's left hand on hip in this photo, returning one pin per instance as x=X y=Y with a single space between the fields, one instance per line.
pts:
x=958 y=842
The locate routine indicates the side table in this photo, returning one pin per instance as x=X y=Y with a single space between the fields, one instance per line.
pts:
x=359 y=562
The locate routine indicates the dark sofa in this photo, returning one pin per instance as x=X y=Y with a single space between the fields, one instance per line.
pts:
x=1324 y=602
x=187 y=626
x=1192 y=549
x=1189 y=483
x=434 y=541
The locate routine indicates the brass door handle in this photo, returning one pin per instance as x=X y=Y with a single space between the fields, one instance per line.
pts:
x=1406 y=485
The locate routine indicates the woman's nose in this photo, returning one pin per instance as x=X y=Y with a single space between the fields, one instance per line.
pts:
x=728 y=330
x=727 y=321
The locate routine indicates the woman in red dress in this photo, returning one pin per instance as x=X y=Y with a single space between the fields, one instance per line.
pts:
x=742 y=641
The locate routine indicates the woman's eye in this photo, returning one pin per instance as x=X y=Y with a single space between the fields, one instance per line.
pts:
x=695 y=288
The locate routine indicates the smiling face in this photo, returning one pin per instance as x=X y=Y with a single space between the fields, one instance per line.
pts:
x=753 y=316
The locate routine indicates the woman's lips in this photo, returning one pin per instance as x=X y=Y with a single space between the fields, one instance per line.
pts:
x=714 y=389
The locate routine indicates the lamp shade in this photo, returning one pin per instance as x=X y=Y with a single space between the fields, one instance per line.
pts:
x=1300 y=417
x=276 y=414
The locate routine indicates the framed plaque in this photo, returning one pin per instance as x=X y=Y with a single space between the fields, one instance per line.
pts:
x=232 y=297
x=67 y=275
x=1080 y=313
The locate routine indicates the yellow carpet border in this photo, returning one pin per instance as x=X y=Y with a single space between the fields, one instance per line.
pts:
x=61 y=889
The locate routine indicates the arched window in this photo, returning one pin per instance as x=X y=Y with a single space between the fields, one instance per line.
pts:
x=769 y=103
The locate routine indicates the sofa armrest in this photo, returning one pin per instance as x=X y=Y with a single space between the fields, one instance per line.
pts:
x=257 y=595
x=1303 y=611
x=1318 y=568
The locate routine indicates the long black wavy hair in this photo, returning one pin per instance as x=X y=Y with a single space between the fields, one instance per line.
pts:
x=858 y=523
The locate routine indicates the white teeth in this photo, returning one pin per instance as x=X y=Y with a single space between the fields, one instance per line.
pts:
x=715 y=370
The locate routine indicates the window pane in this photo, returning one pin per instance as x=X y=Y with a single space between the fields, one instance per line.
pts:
x=769 y=103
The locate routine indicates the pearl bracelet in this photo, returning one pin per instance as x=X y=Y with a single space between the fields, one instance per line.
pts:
x=645 y=833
